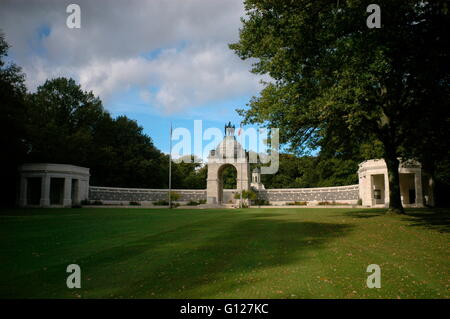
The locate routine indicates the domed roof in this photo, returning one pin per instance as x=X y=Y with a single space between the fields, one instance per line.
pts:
x=229 y=148
x=256 y=170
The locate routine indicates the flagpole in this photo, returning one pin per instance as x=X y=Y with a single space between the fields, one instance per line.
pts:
x=240 y=134
x=170 y=166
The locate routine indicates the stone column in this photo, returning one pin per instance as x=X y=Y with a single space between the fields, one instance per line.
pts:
x=23 y=191
x=212 y=185
x=386 y=189
x=67 y=201
x=418 y=187
x=77 y=192
x=45 y=191
x=370 y=193
x=242 y=176
x=362 y=188
x=83 y=190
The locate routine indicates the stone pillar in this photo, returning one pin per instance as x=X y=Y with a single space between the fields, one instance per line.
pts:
x=241 y=183
x=23 y=191
x=242 y=176
x=83 y=190
x=418 y=187
x=370 y=194
x=386 y=189
x=362 y=185
x=212 y=185
x=212 y=191
x=76 y=199
x=45 y=191
x=67 y=200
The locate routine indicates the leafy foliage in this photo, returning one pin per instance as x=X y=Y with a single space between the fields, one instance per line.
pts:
x=12 y=123
x=307 y=171
x=229 y=177
x=68 y=125
x=338 y=84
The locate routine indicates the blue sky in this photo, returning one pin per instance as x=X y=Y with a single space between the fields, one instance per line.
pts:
x=154 y=61
x=157 y=126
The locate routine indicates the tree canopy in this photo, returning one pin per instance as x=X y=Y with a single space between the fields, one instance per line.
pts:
x=12 y=121
x=336 y=83
x=62 y=123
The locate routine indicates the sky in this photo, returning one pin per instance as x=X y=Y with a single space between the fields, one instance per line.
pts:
x=155 y=61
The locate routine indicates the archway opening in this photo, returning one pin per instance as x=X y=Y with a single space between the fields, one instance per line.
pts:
x=227 y=176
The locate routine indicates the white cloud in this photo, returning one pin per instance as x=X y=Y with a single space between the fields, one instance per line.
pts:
x=194 y=65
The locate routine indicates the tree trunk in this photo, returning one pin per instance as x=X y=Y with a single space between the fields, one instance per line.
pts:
x=395 y=201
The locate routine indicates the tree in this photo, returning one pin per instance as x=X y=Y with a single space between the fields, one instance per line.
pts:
x=188 y=173
x=126 y=157
x=69 y=125
x=12 y=124
x=62 y=120
x=229 y=177
x=308 y=171
x=335 y=80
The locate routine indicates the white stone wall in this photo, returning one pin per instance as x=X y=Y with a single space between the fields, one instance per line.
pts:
x=115 y=195
x=341 y=194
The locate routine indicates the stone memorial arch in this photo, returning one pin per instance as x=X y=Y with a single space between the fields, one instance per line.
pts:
x=229 y=152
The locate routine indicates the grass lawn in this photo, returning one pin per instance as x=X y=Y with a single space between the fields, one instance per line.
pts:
x=250 y=253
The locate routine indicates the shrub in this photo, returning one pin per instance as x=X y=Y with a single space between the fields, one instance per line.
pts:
x=359 y=201
x=246 y=194
x=262 y=202
x=174 y=196
x=134 y=203
x=302 y=203
x=192 y=203
x=165 y=203
x=85 y=202
x=251 y=195
x=202 y=201
x=332 y=203
x=161 y=203
x=97 y=202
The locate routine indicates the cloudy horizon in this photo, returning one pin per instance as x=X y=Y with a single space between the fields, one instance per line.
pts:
x=153 y=61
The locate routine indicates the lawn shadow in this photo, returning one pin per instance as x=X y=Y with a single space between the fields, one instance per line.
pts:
x=433 y=218
x=369 y=213
x=38 y=211
x=205 y=255
x=436 y=218
x=243 y=249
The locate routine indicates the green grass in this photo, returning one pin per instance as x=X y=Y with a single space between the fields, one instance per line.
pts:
x=250 y=253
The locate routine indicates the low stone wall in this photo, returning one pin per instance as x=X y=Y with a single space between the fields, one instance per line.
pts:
x=342 y=194
x=345 y=194
x=122 y=195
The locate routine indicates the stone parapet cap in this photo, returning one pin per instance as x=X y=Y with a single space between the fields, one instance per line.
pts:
x=53 y=168
x=128 y=189
x=381 y=164
x=314 y=189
